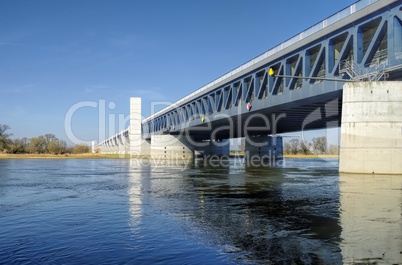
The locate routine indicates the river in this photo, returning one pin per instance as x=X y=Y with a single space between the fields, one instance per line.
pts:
x=122 y=211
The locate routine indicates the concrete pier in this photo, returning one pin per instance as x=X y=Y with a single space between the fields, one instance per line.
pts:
x=264 y=151
x=136 y=146
x=171 y=147
x=145 y=147
x=371 y=130
x=215 y=148
x=135 y=135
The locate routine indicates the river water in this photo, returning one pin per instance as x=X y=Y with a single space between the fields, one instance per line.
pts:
x=122 y=211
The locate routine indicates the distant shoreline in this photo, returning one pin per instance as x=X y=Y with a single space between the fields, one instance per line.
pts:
x=52 y=156
x=114 y=156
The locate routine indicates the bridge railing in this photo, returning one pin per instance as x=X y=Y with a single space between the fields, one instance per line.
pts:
x=370 y=72
x=308 y=32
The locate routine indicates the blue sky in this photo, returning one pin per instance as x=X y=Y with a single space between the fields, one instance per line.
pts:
x=57 y=54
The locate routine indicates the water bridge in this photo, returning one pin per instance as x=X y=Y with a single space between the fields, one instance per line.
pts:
x=342 y=72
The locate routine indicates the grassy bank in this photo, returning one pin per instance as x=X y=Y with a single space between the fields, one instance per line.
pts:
x=110 y=156
x=51 y=156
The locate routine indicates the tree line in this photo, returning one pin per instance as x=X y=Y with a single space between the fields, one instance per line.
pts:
x=318 y=146
x=43 y=144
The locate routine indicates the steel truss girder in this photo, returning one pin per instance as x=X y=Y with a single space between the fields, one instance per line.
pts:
x=374 y=38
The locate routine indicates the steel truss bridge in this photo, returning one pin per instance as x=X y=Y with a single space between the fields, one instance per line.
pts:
x=360 y=42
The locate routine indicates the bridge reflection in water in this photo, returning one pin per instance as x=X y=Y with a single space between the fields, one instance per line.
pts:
x=371 y=218
x=305 y=212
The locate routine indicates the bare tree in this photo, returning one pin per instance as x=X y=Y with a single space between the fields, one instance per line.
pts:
x=305 y=148
x=286 y=149
x=333 y=149
x=4 y=137
x=19 y=146
x=320 y=145
x=294 y=146
x=57 y=147
x=38 y=145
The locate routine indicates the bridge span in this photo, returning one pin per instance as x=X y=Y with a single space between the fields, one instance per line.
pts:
x=307 y=82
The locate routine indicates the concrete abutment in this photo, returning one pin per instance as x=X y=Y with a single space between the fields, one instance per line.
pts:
x=371 y=130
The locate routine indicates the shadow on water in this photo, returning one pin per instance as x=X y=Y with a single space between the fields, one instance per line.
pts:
x=304 y=213
x=277 y=215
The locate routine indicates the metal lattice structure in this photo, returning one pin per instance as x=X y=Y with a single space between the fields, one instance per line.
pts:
x=360 y=43
x=354 y=71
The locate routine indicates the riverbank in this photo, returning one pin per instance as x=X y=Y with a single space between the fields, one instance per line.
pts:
x=113 y=156
x=52 y=156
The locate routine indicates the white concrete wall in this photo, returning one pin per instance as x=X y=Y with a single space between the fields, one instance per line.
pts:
x=171 y=147
x=145 y=147
x=135 y=127
x=371 y=130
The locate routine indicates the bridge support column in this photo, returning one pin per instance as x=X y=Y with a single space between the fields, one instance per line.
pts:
x=264 y=151
x=216 y=148
x=371 y=129
x=145 y=147
x=138 y=146
x=171 y=147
